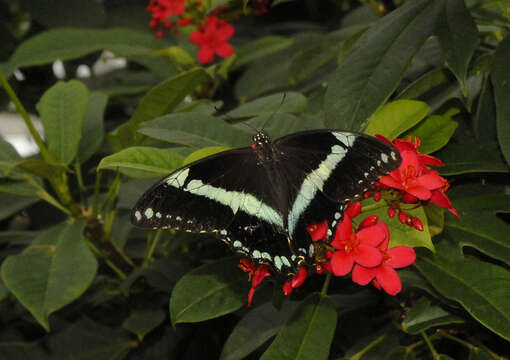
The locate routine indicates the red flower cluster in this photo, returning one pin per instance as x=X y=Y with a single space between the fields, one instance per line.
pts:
x=414 y=179
x=364 y=252
x=212 y=38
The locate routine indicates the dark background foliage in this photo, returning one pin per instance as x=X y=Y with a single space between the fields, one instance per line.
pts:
x=78 y=281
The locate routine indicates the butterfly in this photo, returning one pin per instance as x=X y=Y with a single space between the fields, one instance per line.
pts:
x=260 y=199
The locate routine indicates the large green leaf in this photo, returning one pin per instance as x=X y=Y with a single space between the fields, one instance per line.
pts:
x=142 y=162
x=291 y=102
x=423 y=316
x=254 y=329
x=86 y=339
x=424 y=84
x=484 y=121
x=63 y=108
x=55 y=270
x=8 y=159
x=480 y=287
x=371 y=71
x=141 y=322
x=93 y=130
x=161 y=99
x=458 y=37
x=195 y=130
x=11 y=204
x=471 y=157
x=68 y=43
x=396 y=117
x=209 y=291
x=434 y=133
x=483 y=231
x=204 y=152
x=308 y=332
x=500 y=76
x=259 y=48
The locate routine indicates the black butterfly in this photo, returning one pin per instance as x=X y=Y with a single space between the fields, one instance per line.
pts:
x=260 y=199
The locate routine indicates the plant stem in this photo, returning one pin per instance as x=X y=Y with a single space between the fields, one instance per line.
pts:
x=433 y=351
x=151 y=247
x=375 y=206
x=97 y=188
x=110 y=264
x=367 y=348
x=28 y=122
x=325 y=286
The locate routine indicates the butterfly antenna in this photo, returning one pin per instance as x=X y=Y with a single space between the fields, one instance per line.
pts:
x=231 y=119
x=276 y=111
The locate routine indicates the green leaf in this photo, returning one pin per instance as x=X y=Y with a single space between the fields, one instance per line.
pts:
x=55 y=270
x=423 y=316
x=195 y=130
x=11 y=204
x=307 y=62
x=19 y=350
x=424 y=84
x=458 y=37
x=484 y=121
x=259 y=48
x=372 y=70
x=434 y=132
x=86 y=339
x=4 y=292
x=177 y=54
x=435 y=218
x=142 y=162
x=208 y=292
x=68 y=43
x=482 y=231
x=142 y=322
x=165 y=96
x=8 y=158
x=63 y=108
x=471 y=157
x=280 y=124
x=16 y=187
x=254 y=329
x=400 y=234
x=396 y=117
x=291 y=102
x=93 y=130
x=481 y=288
x=41 y=168
x=308 y=332
x=202 y=153
x=161 y=99
x=500 y=77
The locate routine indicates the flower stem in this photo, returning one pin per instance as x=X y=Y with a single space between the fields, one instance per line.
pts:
x=367 y=348
x=151 y=247
x=110 y=264
x=325 y=286
x=375 y=206
x=28 y=122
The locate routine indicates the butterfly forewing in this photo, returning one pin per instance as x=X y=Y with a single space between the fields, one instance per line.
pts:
x=227 y=193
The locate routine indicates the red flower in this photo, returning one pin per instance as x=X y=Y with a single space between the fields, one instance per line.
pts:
x=257 y=273
x=414 y=179
x=360 y=247
x=296 y=281
x=212 y=39
x=318 y=231
x=163 y=9
x=384 y=276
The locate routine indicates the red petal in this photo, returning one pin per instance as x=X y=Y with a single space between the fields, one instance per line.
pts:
x=362 y=275
x=250 y=296
x=318 y=231
x=391 y=182
x=400 y=256
x=431 y=182
x=206 y=54
x=367 y=256
x=389 y=280
x=439 y=198
x=370 y=220
x=225 y=32
x=224 y=50
x=429 y=160
x=372 y=235
x=380 y=137
x=197 y=38
x=343 y=233
x=420 y=192
x=299 y=278
x=287 y=289
x=341 y=263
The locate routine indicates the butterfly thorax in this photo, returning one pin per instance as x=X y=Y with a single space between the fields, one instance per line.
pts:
x=263 y=147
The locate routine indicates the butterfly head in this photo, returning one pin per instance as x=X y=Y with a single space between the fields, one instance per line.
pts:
x=260 y=139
